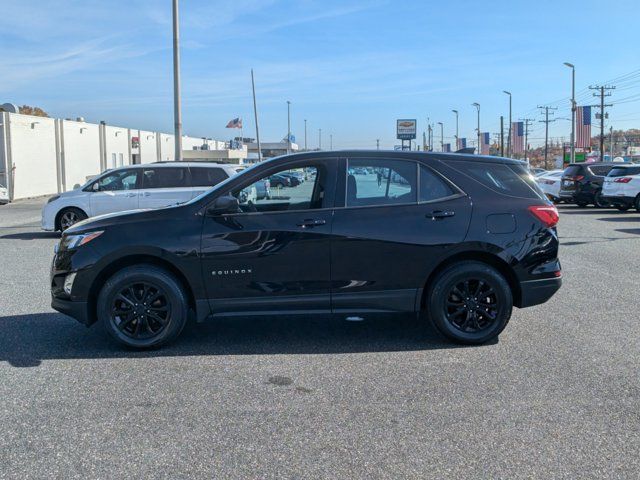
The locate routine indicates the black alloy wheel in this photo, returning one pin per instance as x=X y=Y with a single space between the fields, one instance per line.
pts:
x=599 y=202
x=636 y=203
x=143 y=306
x=469 y=302
x=140 y=310
x=472 y=305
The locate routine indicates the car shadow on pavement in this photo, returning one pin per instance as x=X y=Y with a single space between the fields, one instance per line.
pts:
x=29 y=235
x=632 y=231
x=27 y=340
x=627 y=218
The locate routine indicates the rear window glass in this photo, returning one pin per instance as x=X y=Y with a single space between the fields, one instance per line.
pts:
x=207 y=177
x=164 y=177
x=622 y=171
x=573 y=170
x=600 y=170
x=512 y=180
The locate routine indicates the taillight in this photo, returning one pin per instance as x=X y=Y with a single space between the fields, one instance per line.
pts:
x=547 y=214
x=623 y=180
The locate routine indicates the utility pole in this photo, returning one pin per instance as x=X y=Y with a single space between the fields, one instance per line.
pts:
x=611 y=142
x=177 y=107
x=477 y=105
x=255 y=114
x=527 y=124
x=331 y=141
x=441 y=136
x=319 y=139
x=305 y=134
x=510 y=126
x=457 y=138
x=288 y=127
x=430 y=137
x=602 y=89
x=573 y=110
x=546 y=132
x=501 y=136
x=377 y=144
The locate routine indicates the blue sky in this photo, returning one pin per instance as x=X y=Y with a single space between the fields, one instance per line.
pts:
x=349 y=67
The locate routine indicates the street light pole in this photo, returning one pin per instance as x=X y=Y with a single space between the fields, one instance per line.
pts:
x=319 y=139
x=305 y=134
x=377 y=144
x=288 y=127
x=573 y=110
x=331 y=141
x=477 y=105
x=177 y=108
x=441 y=136
x=510 y=125
x=457 y=138
x=255 y=114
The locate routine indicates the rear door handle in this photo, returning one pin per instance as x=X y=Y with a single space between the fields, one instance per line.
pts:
x=440 y=214
x=146 y=194
x=310 y=223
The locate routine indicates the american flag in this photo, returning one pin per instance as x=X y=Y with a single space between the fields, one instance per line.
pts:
x=517 y=137
x=486 y=143
x=583 y=127
x=235 y=123
x=446 y=147
x=461 y=143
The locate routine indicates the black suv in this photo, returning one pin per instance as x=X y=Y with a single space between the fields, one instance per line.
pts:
x=581 y=183
x=463 y=238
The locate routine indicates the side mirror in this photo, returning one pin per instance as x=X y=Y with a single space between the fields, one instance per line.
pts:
x=224 y=204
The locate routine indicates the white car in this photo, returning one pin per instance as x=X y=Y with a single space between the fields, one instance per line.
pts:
x=4 y=194
x=549 y=182
x=133 y=187
x=621 y=187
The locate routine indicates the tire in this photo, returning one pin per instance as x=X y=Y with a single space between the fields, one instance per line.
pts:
x=145 y=325
x=636 y=203
x=471 y=325
x=598 y=202
x=623 y=208
x=67 y=217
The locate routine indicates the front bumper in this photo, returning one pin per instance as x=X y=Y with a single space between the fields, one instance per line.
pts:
x=535 y=292
x=77 y=310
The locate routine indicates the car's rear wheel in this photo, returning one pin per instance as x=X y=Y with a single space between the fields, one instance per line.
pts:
x=636 y=203
x=470 y=302
x=68 y=217
x=623 y=208
x=600 y=202
x=143 y=306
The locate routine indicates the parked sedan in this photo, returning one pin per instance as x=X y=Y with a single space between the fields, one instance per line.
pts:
x=549 y=183
x=462 y=240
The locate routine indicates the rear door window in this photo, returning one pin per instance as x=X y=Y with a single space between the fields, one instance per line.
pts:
x=512 y=180
x=207 y=176
x=374 y=181
x=165 y=177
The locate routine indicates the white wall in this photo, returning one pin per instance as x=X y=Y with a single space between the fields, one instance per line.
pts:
x=81 y=152
x=148 y=147
x=167 y=147
x=116 y=141
x=33 y=154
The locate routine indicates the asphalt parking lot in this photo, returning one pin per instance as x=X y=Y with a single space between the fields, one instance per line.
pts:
x=558 y=396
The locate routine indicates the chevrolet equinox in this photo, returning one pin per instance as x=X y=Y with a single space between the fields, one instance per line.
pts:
x=462 y=238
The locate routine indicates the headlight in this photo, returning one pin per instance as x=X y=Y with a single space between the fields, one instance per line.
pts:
x=53 y=199
x=74 y=241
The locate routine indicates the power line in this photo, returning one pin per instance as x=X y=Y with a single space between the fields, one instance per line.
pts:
x=546 y=122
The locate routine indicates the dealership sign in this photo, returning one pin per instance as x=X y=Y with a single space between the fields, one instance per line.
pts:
x=406 y=129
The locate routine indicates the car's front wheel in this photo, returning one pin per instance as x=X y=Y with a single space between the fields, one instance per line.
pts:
x=68 y=217
x=143 y=306
x=470 y=302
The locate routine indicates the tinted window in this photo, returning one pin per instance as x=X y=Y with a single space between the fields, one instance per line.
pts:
x=513 y=180
x=165 y=177
x=271 y=193
x=600 y=170
x=573 y=170
x=119 y=180
x=622 y=171
x=432 y=186
x=207 y=177
x=381 y=182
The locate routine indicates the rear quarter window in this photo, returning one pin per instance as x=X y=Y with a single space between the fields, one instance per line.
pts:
x=512 y=180
x=600 y=170
x=573 y=170
x=622 y=171
x=207 y=176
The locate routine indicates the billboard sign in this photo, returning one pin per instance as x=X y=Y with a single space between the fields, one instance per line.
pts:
x=406 y=129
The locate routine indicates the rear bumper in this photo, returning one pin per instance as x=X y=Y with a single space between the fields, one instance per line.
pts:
x=77 y=310
x=535 y=292
x=619 y=200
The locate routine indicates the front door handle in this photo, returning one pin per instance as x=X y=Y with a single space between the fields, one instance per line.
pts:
x=440 y=214
x=310 y=223
x=132 y=194
x=146 y=194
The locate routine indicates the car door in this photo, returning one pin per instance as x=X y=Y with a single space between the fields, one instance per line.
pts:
x=163 y=186
x=396 y=225
x=203 y=178
x=273 y=255
x=115 y=191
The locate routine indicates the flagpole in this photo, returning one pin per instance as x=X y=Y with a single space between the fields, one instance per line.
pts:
x=255 y=113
